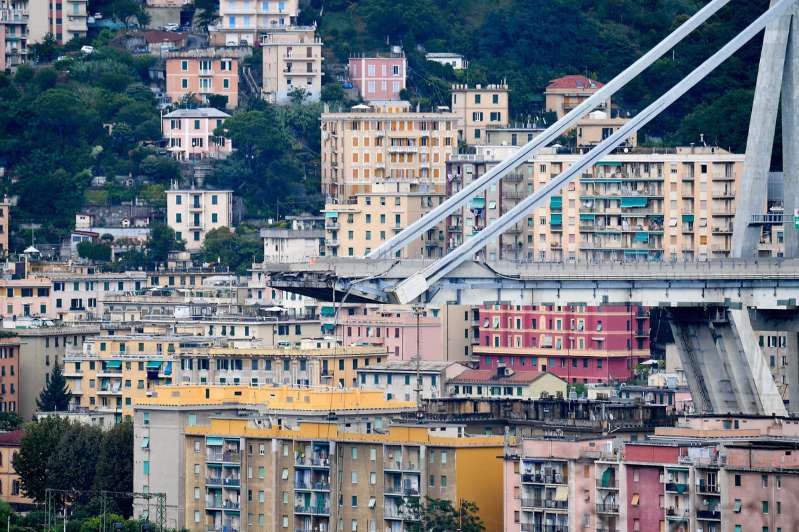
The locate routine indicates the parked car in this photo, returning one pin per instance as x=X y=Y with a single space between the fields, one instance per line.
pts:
x=172 y=26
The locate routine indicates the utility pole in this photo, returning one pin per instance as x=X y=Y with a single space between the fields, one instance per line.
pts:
x=417 y=310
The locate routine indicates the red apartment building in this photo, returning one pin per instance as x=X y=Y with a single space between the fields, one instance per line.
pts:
x=577 y=343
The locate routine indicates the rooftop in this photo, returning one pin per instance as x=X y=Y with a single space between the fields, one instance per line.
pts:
x=574 y=82
x=490 y=376
x=12 y=438
x=202 y=112
x=322 y=400
x=409 y=366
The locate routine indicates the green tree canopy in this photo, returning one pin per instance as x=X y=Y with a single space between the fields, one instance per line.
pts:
x=439 y=515
x=96 y=251
x=236 y=250
x=161 y=241
x=39 y=442
x=54 y=397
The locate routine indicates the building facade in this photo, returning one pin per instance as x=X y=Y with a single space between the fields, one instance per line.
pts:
x=478 y=108
x=193 y=213
x=292 y=61
x=381 y=77
x=202 y=72
x=9 y=374
x=10 y=484
x=355 y=228
x=189 y=134
x=565 y=93
x=241 y=23
x=385 y=142
x=577 y=343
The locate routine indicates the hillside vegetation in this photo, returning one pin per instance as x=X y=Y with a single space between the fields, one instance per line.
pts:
x=529 y=42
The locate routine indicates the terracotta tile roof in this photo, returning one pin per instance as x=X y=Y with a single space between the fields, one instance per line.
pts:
x=574 y=82
x=158 y=36
x=11 y=438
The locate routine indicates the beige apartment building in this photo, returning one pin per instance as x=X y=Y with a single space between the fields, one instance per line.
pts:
x=354 y=229
x=478 y=108
x=193 y=213
x=242 y=22
x=676 y=204
x=565 y=93
x=599 y=125
x=292 y=61
x=201 y=72
x=385 y=142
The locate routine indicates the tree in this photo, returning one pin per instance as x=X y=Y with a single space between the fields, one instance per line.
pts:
x=160 y=169
x=217 y=101
x=39 y=442
x=54 y=397
x=45 y=51
x=439 y=515
x=206 y=12
x=237 y=250
x=161 y=241
x=96 y=251
x=115 y=464
x=10 y=421
x=73 y=465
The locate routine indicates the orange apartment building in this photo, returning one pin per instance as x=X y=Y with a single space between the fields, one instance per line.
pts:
x=203 y=72
x=10 y=486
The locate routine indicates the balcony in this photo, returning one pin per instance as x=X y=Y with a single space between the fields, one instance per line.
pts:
x=676 y=487
x=332 y=226
x=230 y=457
x=312 y=510
x=673 y=514
x=395 y=465
x=611 y=484
x=313 y=462
x=403 y=149
x=543 y=478
x=399 y=491
x=708 y=515
x=607 y=508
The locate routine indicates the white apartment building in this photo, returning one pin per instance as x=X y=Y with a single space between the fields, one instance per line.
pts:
x=193 y=213
x=292 y=60
x=242 y=22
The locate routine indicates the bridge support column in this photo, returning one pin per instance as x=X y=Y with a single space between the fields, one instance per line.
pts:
x=753 y=191
x=790 y=139
x=723 y=363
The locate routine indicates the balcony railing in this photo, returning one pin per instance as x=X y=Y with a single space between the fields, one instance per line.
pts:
x=538 y=478
x=713 y=515
x=313 y=462
x=312 y=510
x=223 y=456
x=607 y=508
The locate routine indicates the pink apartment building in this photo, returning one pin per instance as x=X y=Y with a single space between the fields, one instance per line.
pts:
x=379 y=78
x=189 y=134
x=201 y=73
x=577 y=343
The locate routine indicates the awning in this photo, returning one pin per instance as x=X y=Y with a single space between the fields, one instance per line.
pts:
x=154 y=364
x=562 y=493
x=478 y=203
x=168 y=369
x=636 y=252
x=214 y=441
x=113 y=364
x=606 y=477
x=587 y=217
x=331 y=214
x=328 y=311
x=556 y=219
x=328 y=327
x=634 y=202
x=608 y=163
x=687 y=218
x=145 y=443
x=556 y=202
x=641 y=237
x=635 y=500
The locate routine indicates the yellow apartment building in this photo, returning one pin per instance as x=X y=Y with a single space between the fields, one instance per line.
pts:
x=385 y=142
x=354 y=229
x=479 y=108
x=292 y=60
x=109 y=373
x=320 y=476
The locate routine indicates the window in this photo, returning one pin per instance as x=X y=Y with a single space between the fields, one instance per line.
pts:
x=354 y=477
x=764 y=505
x=354 y=501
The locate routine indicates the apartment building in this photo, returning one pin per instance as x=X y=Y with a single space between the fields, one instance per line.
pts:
x=380 y=77
x=777 y=347
x=505 y=383
x=78 y=296
x=5 y=205
x=240 y=474
x=41 y=348
x=14 y=18
x=193 y=213
x=292 y=61
x=672 y=204
x=24 y=298
x=354 y=229
x=9 y=373
x=402 y=379
x=109 y=373
x=10 y=484
x=456 y=61
x=316 y=362
x=565 y=93
x=438 y=333
x=162 y=420
x=710 y=474
x=189 y=134
x=303 y=241
x=577 y=343
x=201 y=72
x=385 y=142
x=241 y=22
x=599 y=125
x=478 y=108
